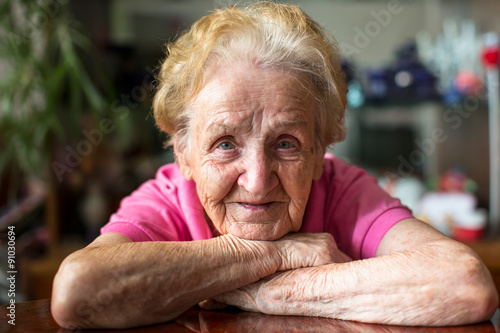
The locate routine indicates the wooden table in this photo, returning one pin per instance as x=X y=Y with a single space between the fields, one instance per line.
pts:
x=35 y=317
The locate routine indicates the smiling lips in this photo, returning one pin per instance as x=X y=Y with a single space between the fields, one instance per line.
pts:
x=255 y=206
x=257 y=212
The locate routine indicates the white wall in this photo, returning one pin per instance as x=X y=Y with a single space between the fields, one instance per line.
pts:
x=362 y=37
x=343 y=18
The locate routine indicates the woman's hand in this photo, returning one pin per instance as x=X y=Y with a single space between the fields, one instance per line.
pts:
x=295 y=250
x=265 y=296
x=299 y=250
x=292 y=251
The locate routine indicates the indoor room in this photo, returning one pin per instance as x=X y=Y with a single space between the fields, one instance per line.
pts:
x=332 y=134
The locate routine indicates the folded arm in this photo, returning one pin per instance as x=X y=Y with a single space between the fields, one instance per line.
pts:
x=116 y=283
x=419 y=277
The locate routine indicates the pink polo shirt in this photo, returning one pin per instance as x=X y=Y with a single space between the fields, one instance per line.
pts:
x=346 y=202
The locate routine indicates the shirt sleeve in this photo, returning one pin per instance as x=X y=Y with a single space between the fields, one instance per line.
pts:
x=162 y=209
x=145 y=215
x=358 y=211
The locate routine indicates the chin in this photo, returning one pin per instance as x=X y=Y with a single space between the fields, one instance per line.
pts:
x=257 y=231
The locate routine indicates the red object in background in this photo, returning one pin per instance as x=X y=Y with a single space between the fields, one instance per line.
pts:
x=463 y=234
x=490 y=56
x=452 y=181
x=467 y=82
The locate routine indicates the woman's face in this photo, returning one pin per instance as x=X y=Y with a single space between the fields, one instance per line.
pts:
x=253 y=154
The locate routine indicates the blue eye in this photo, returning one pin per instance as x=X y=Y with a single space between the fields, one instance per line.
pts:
x=226 y=146
x=285 y=145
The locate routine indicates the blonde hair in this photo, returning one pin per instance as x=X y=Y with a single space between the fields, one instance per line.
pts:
x=273 y=36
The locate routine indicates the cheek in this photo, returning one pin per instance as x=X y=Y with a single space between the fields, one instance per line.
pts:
x=213 y=182
x=296 y=181
x=297 y=176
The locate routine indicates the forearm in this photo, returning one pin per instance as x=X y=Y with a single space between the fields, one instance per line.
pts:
x=134 y=284
x=410 y=287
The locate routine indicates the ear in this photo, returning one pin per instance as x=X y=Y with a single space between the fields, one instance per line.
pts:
x=182 y=158
x=318 y=165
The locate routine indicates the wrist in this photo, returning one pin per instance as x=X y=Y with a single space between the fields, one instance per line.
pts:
x=260 y=258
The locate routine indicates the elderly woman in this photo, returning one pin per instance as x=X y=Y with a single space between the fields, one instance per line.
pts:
x=253 y=213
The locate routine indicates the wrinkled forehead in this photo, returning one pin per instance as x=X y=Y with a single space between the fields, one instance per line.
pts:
x=243 y=88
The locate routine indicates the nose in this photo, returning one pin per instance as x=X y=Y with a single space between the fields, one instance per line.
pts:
x=259 y=174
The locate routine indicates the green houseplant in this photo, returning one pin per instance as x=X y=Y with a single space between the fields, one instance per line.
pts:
x=44 y=92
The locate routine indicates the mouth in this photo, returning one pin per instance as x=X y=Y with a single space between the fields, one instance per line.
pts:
x=255 y=206
x=254 y=214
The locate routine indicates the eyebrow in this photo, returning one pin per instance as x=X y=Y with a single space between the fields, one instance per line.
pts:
x=297 y=121
x=220 y=127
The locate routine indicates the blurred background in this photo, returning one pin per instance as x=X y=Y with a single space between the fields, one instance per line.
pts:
x=77 y=133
